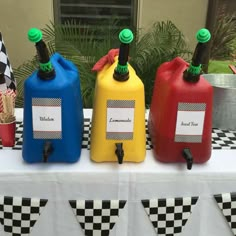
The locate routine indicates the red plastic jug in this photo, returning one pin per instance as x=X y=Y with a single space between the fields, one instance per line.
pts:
x=180 y=117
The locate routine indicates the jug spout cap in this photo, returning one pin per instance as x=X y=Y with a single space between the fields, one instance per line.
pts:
x=126 y=36
x=188 y=157
x=35 y=35
x=203 y=35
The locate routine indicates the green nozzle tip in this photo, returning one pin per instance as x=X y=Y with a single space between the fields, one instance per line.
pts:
x=34 y=35
x=203 y=35
x=126 y=36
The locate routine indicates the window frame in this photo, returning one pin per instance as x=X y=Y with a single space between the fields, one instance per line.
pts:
x=133 y=16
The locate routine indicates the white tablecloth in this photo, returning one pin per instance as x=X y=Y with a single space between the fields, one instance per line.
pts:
x=130 y=181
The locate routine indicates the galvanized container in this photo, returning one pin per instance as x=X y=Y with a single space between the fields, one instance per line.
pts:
x=224 y=101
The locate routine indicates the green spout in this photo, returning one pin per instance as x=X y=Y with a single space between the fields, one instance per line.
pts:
x=46 y=70
x=192 y=74
x=121 y=72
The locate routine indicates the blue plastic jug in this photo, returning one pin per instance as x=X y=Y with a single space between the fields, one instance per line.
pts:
x=53 y=113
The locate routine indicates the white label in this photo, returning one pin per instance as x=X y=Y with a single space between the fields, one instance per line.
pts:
x=120 y=120
x=47 y=118
x=190 y=122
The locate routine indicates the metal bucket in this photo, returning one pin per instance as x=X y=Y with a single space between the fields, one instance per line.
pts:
x=224 y=101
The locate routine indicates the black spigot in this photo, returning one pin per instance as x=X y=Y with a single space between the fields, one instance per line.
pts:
x=119 y=152
x=47 y=150
x=188 y=157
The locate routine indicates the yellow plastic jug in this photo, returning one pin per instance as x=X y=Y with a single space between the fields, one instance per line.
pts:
x=118 y=120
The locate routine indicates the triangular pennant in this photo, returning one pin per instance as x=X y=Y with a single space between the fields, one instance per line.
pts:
x=18 y=215
x=227 y=204
x=168 y=216
x=5 y=65
x=97 y=217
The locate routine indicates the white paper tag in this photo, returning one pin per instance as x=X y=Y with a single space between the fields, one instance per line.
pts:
x=190 y=122
x=47 y=121
x=120 y=119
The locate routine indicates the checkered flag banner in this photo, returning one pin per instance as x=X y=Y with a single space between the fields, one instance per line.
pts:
x=5 y=65
x=18 y=215
x=168 y=216
x=227 y=204
x=97 y=217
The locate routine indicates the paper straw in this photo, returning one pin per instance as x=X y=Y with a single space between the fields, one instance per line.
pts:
x=7 y=106
x=1 y=102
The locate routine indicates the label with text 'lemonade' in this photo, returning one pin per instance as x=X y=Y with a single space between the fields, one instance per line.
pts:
x=120 y=119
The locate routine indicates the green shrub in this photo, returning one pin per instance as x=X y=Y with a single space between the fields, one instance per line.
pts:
x=84 y=46
x=223 y=41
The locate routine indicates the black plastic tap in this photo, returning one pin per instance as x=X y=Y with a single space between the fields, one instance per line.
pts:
x=188 y=157
x=47 y=150
x=119 y=152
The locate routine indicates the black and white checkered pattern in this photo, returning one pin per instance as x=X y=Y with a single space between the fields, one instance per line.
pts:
x=168 y=216
x=221 y=139
x=85 y=138
x=86 y=134
x=18 y=215
x=18 y=136
x=5 y=65
x=148 y=138
x=227 y=204
x=97 y=217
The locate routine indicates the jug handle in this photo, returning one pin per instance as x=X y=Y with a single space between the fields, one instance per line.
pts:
x=177 y=64
x=65 y=64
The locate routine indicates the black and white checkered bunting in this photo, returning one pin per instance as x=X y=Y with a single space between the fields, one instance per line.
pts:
x=221 y=139
x=227 y=204
x=97 y=217
x=5 y=65
x=168 y=216
x=18 y=215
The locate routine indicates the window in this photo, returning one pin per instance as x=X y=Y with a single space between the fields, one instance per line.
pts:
x=94 y=12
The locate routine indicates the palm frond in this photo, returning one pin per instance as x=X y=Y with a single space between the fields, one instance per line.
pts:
x=163 y=42
x=223 y=44
x=21 y=74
